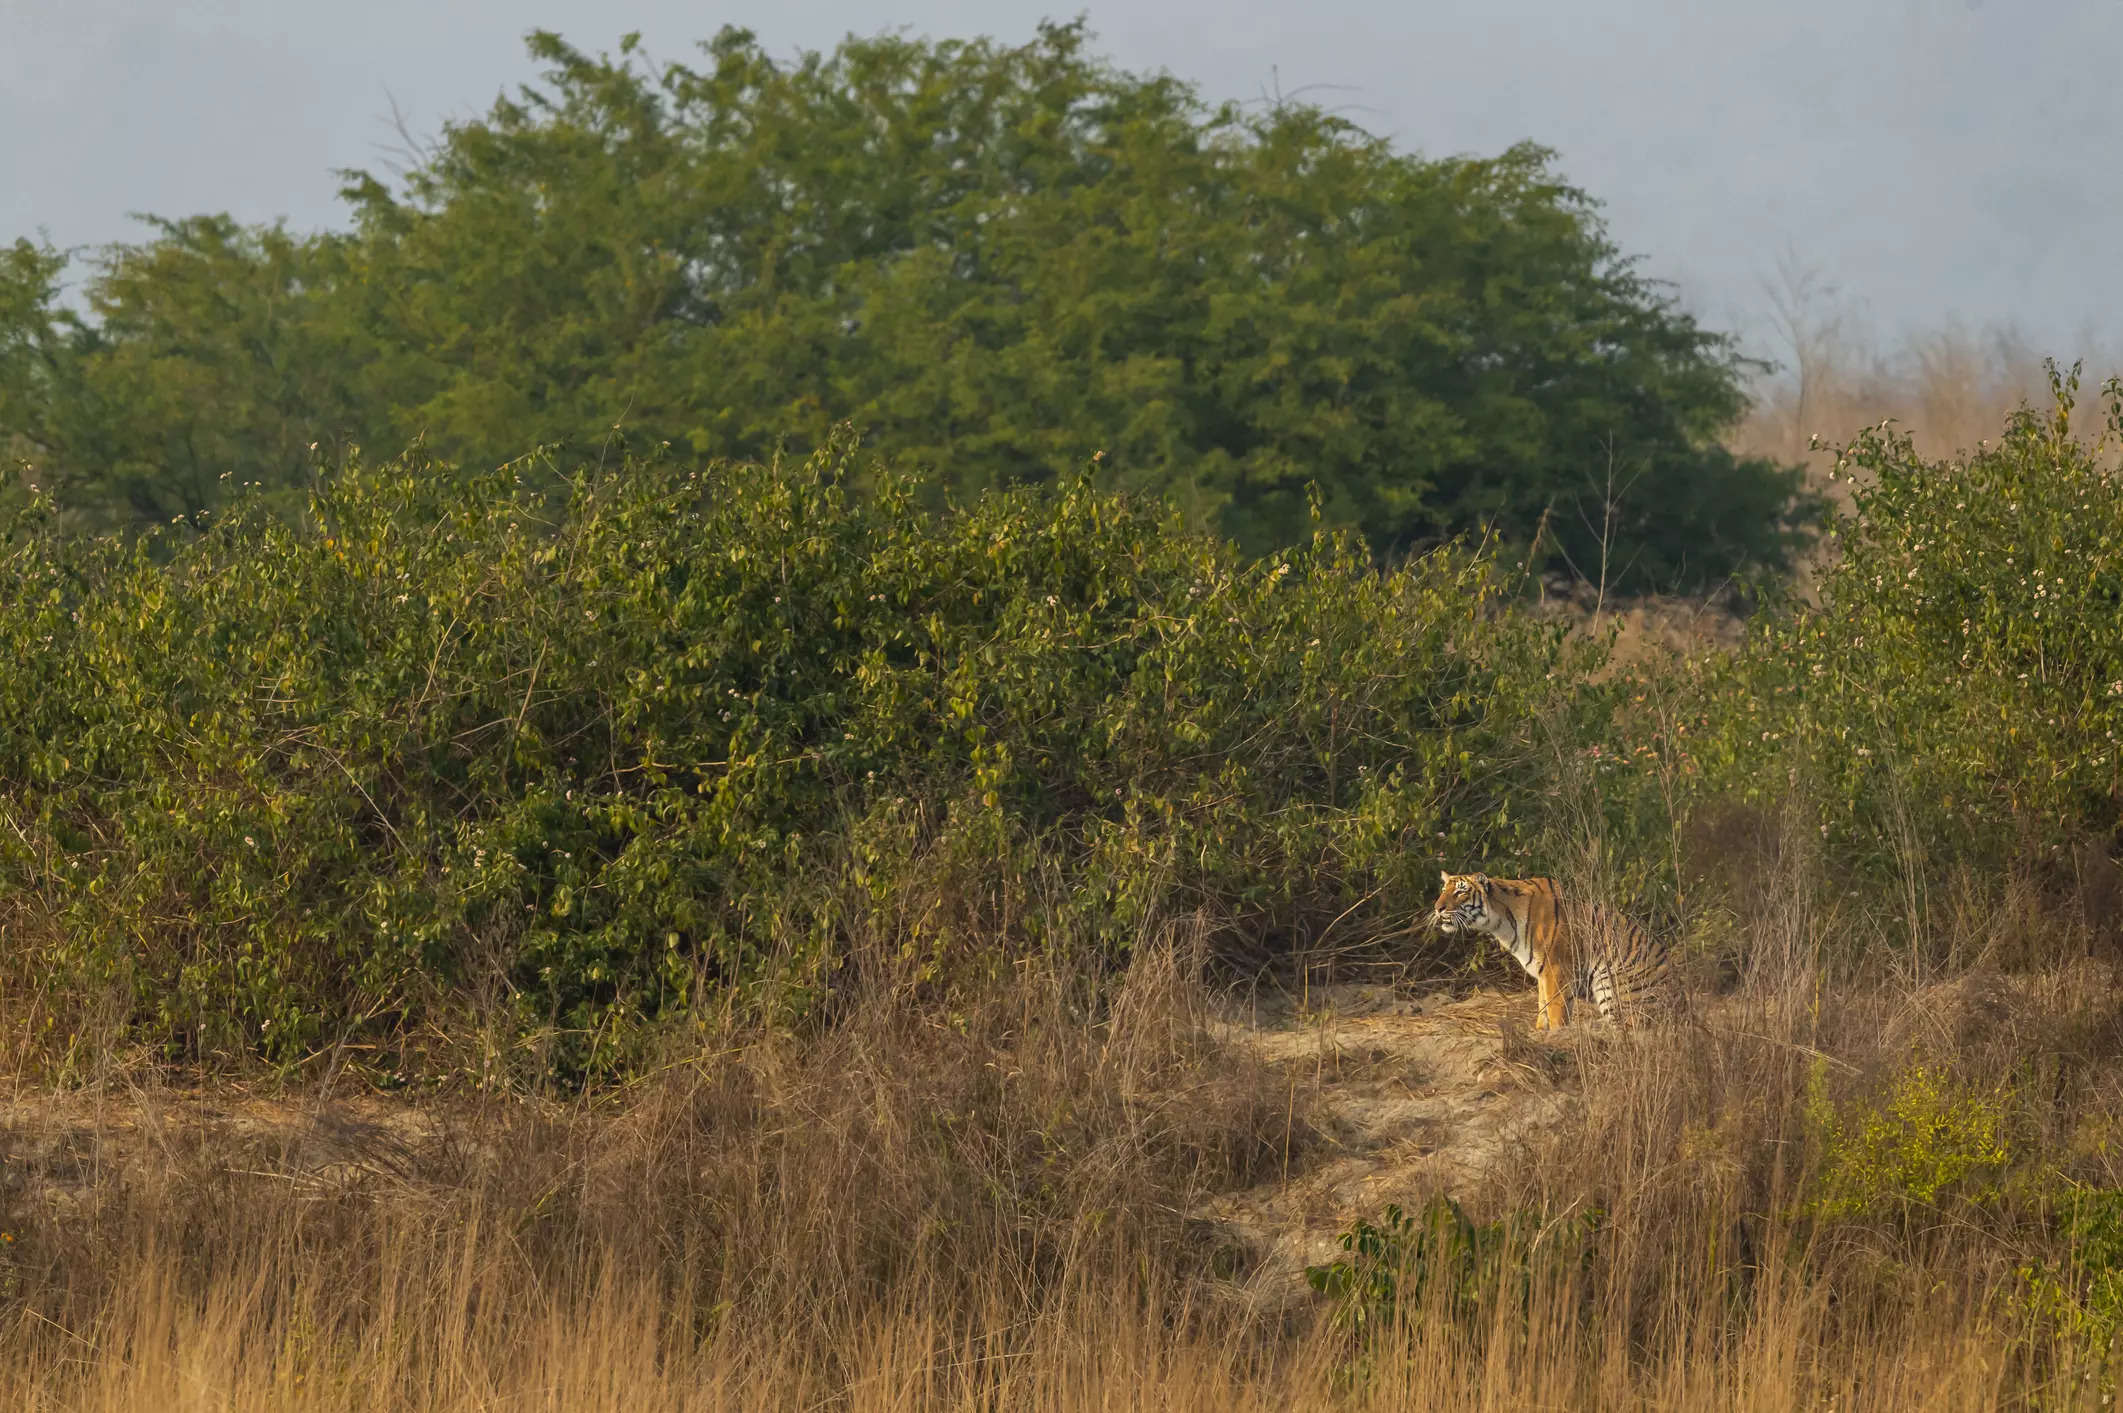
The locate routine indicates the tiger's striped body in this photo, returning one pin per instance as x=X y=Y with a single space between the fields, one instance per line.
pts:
x=1571 y=949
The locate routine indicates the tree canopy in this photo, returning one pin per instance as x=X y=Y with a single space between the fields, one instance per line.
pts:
x=995 y=260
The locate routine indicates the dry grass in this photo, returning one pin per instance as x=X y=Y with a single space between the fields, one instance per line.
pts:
x=987 y=1206
x=918 y=1207
x=1950 y=388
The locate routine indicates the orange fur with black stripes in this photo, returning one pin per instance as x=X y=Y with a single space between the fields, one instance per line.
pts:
x=1573 y=950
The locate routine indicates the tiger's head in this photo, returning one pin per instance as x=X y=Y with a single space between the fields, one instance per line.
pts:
x=1462 y=902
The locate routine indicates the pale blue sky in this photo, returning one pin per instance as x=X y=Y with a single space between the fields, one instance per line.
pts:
x=1936 y=159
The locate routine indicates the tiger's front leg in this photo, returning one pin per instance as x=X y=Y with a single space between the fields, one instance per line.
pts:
x=1549 y=1000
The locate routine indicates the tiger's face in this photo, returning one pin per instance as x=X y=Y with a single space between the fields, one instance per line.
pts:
x=1462 y=902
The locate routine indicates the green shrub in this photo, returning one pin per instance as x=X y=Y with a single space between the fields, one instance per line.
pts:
x=2080 y=1300
x=1439 y=1259
x=1960 y=687
x=692 y=734
x=1925 y=1141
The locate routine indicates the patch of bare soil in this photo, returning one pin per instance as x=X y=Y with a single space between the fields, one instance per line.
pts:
x=57 y=1148
x=1416 y=1095
x=1650 y=626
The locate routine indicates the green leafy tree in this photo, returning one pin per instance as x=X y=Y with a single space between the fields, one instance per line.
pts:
x=30 y=324
x=210 y=361
x=998 y=260
x=995 y=260
x=207 y=361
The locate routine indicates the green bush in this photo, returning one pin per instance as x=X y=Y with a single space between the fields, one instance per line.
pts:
x=1960 y=686
x=1924 y=1142
x=1438 y=1258
x=684 y=735
x=2080 y=1299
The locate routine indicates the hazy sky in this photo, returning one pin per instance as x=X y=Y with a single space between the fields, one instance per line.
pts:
x=1935 y=159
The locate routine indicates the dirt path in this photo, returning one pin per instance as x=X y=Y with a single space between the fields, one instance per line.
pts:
x=1419 y=1095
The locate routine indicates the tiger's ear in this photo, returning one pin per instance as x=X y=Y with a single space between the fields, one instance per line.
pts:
x=1481 y=880
x=1443 y=876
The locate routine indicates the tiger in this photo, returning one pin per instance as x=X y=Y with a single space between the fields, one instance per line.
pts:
x=1571 y=949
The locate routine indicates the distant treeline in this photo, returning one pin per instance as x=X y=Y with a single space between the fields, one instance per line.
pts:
x=997 y=262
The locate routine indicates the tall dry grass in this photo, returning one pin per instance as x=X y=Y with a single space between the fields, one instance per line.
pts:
x=1949 y=387
x=901 y=1209
x=985 y=1204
